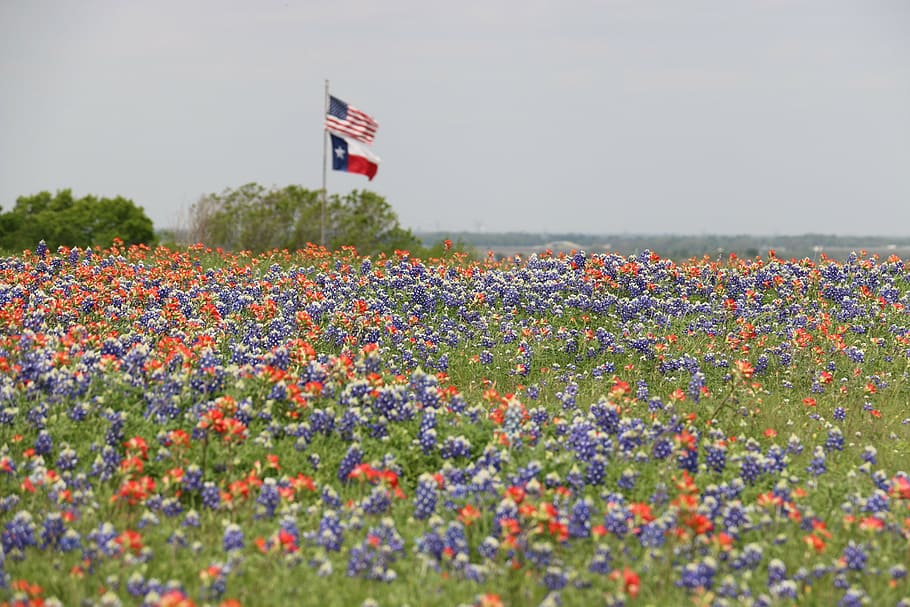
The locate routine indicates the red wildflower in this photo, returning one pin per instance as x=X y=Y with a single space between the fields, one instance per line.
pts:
x=489 y=599
x=175 y=598
x=32 y=590
x=468 y=514
x=620 y=388
x=558 y=530
x=724 y=541
x=872 y=523
x=301 y=481
x=134 y=491
x=814 y=542
x=744 y=368
x=699 y=523
x=130 y=540
x=642 y=512
x=137 y=443
x=900 y=487
x=631 y=582
x=686 y=440
x=288 y=541
x=516 y=493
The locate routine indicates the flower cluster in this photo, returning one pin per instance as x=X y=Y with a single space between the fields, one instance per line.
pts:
x=562 y=429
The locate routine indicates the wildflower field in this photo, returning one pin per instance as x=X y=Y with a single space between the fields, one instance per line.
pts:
x=192 y=427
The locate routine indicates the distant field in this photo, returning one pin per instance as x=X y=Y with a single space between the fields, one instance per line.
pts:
x=680 y=246
x=186 y=427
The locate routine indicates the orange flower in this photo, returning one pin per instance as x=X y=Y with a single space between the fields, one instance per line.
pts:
x=631 y=582
x=699 y=523
x=137 y=443
x=516 y=493
x=686 y=485
x=301 y=481
x=175 y=598
x=769 y=499
x=130 y=540
x=678 y=395
x=468 y=514
x=558 y=530
x=32 y=590
x=900 y=487
x=744 y=368
x=620 y=388
x=872 y=523
x=641 y=511
x=489 y=599
x=134 y=491
x=814 y=542
x=686 y=440
x=724 y=541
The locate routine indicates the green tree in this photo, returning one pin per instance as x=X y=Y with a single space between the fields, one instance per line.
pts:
x=258 y=219
x=61 y=219
x=365 y=220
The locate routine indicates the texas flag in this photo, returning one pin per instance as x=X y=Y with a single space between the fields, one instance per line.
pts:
x=353 y=157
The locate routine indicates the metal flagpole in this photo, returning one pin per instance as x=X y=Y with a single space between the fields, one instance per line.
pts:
x=325 y=146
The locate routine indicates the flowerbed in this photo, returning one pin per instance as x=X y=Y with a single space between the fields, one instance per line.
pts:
x=194 y=427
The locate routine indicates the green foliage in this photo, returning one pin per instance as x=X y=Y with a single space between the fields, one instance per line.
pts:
x=61 y=219
x=254 y=218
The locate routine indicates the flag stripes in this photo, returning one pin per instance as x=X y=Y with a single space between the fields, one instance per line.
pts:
x=348 y=120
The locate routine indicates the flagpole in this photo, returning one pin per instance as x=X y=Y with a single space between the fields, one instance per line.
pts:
x=325 y=146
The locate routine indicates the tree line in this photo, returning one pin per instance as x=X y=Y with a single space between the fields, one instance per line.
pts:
x=249 y=218
x=62 y=219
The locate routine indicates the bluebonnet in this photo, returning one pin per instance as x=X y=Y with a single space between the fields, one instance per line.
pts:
x=698 y=575
x=601 y=561
x=835 y=440
x=817 y=465
x=855 y=556
x=330 y=534
x=425 y=496
x=18 y=534
x=211 y=496
x=352 y=458
x=268 y=499
x=580 y=518
x=232 y=538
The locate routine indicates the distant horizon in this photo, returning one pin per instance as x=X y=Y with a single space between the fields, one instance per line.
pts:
x=668 y=234
x=417 y=231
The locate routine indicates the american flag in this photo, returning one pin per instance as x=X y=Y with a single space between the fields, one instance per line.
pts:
x=348 y=120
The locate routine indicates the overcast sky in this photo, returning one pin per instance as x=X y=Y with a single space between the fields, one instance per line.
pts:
x=676 y=116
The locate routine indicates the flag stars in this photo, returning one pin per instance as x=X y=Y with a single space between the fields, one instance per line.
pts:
x=339 y=152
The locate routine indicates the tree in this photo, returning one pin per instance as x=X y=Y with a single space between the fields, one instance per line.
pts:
x=257 y=219
x=365 y=220
x=61 y=219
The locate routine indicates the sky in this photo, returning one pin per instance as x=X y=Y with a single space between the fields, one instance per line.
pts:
x=765 y=117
